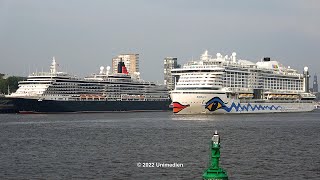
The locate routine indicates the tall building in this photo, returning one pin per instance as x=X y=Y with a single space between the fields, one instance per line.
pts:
x=315 y=84
x=131 y=62
x=170 y=63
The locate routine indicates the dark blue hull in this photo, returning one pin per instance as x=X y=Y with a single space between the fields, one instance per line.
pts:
x=6 y=106
x=53 y=106
x=8 y=109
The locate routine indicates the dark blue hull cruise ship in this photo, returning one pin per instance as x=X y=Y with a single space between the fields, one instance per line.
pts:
x=54 y=92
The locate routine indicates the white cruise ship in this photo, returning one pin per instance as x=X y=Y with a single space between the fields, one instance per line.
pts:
x=57 y=91
x=226 y=84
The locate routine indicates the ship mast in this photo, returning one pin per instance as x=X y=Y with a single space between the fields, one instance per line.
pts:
x=54 y=66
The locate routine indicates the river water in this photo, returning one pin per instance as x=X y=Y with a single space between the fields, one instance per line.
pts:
x=113 y=145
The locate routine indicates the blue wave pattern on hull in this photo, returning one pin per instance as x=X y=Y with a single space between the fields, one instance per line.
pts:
x=216 y=103
x=253 y=108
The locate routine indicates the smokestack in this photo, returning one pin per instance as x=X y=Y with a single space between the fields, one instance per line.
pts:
x=120 y=66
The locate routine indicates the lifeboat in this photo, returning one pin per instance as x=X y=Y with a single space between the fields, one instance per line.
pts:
x=250 y=95
x=242 y=95
x=270 y=96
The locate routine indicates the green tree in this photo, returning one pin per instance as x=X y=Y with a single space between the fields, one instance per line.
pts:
x=12 y=82
x=3 y=86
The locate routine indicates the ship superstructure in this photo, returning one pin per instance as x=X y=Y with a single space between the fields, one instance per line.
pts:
x=229 y=85
x=57 y=91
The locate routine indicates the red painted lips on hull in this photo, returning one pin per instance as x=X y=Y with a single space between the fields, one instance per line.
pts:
x=177 y=107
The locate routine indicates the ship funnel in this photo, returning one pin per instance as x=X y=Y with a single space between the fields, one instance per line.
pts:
x=122 y=67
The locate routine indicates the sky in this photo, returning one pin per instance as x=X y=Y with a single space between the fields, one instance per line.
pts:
x=86 y=34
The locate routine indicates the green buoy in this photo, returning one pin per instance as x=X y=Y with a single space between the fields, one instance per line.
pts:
x=214 y=172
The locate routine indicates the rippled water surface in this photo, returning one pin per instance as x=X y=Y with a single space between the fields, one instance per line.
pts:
x=109 y=145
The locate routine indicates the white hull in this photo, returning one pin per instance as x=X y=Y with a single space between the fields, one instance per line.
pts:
x=219 y=104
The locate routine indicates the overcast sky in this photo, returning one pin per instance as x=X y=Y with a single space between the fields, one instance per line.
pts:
x=85 y=34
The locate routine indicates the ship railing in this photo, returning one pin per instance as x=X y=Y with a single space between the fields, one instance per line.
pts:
x=274 y=101
x=282 y=91
x=63 y=74
x=236 y=89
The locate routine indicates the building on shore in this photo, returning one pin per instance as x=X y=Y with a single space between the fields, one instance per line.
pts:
x=131 y=61
x=170 y=63
x=315 y=84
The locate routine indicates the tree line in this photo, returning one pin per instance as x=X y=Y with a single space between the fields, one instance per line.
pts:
x=11 y=82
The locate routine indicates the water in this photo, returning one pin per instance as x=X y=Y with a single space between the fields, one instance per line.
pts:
x=109 y=145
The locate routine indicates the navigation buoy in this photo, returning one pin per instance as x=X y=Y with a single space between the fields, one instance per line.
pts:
x=214 y=172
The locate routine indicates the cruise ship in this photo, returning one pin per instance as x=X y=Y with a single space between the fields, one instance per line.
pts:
x=55 y=91
x=225 y=84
